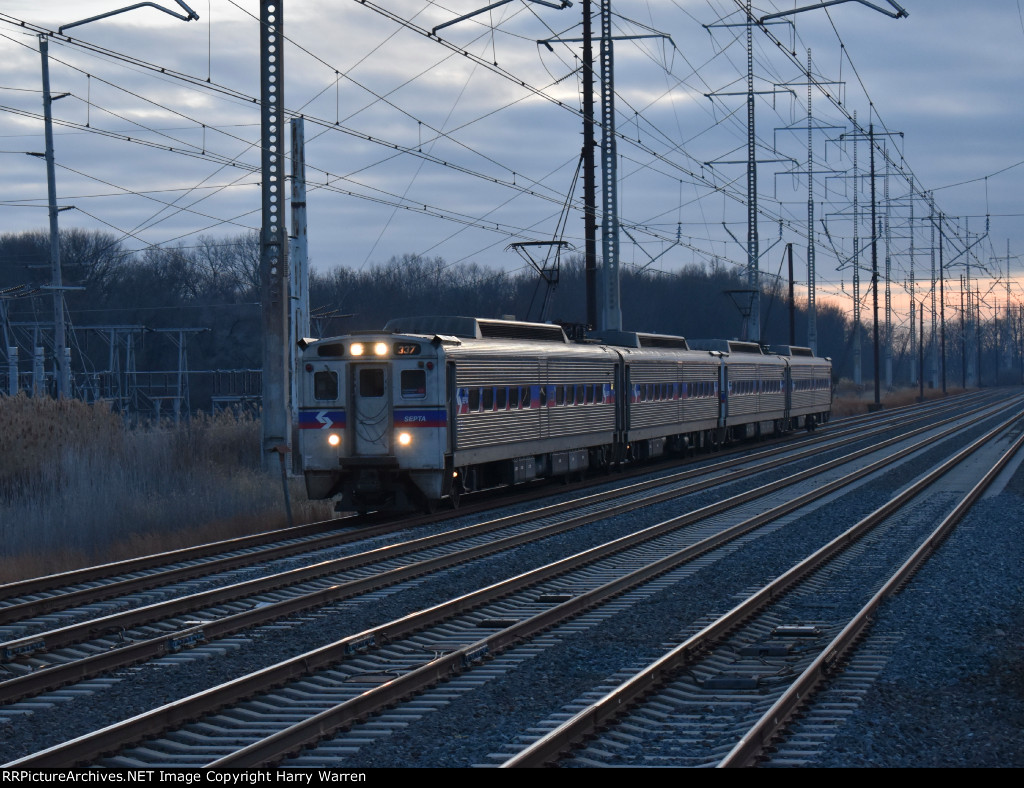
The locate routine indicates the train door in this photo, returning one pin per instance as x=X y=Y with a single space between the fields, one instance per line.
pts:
x=371 y=409
x=723 y=394
x=453 y=406
x=787 y=384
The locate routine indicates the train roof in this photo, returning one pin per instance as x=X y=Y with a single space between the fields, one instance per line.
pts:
x=729 y=346
x=477 y=328
x=637 y=339
x=791 y=350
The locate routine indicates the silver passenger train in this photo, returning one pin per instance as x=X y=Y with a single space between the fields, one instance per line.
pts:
x=432 y=407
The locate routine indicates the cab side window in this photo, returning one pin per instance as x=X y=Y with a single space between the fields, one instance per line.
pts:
x=325 y=385
x=414 y=384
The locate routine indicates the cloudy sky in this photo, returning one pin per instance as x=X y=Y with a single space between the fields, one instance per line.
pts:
x=457 y=148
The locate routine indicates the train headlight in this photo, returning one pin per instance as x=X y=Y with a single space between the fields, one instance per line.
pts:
x=404 y=438
x=380 y=349
x=357 y=349
x=334 y=439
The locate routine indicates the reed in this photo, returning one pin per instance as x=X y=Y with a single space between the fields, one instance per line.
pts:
x=79 y=487
x=851 y=400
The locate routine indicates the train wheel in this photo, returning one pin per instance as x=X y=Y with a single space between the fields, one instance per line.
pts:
x=455 y=494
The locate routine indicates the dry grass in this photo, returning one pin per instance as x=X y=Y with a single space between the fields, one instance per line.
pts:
x=852 y=400
x=77 y=487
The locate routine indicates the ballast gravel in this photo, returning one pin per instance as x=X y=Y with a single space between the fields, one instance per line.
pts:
x=952 y=694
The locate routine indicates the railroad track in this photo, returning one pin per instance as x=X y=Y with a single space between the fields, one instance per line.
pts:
x=53 y=658
x=36 y=597
x=765 y=658
x=374 y=668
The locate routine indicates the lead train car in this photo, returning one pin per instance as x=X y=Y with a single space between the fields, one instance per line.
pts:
x=431 y=407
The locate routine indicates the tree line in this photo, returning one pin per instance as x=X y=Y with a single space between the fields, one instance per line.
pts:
x=210 y=286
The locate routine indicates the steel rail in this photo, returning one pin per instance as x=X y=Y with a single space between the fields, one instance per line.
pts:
x=329 y=538
x=150 y=723
x=59 y=675
x=100 y=571
x=768 y=727
x=548 y=748
x=308 y=731
x=772 y=458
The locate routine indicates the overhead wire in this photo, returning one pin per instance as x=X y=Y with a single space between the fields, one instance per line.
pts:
x=697 y=182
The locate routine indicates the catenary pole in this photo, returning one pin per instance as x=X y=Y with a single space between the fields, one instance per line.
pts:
x=62 y=377
x=274 y=284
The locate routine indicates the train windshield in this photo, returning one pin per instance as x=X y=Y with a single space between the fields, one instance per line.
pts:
x=371 y=383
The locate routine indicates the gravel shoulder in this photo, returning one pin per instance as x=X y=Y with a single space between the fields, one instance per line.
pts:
x=953 y=693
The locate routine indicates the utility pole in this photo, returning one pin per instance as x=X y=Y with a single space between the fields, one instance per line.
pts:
x=792 y=297
x=977 y=323
x=897 y=12
x=810 y=128
x=753 y=273
x=969 y=335
x=857 y=363
x=914 y=374
x=874 y=264
x=753 y=244
x=968 y=311
x=589 y=170
x=610 y=308
x=60 y=359
x=604 y=309
x=887 y=335
x=933 y=376
x=60 y=350
x=298 y=258
x=812 y=305
x=963 y=337
x=876 y=337
x=604 y=312
x=920 y=379
x=274 y=282
x=942 y=320
x=1005 y=333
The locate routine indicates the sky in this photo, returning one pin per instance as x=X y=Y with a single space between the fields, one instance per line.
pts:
x=457 y=146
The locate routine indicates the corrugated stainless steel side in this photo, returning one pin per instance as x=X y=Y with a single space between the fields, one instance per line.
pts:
x=741 y=405
x=700 y=372
x=580 y=419
x=814 y=400
x=700 y=409
x=571 y=370
x=649 y=414
x=549 y=366
x=486 y=429
x=502 y=371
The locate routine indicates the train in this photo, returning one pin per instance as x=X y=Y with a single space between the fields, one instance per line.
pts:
x=430 y=408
